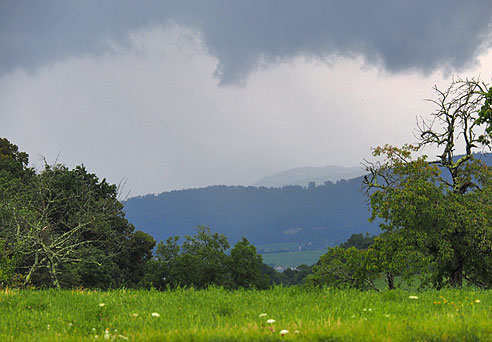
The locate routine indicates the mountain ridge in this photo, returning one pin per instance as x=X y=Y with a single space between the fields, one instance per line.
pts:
x=321 y=215
x=317 y=215
x=304 y=175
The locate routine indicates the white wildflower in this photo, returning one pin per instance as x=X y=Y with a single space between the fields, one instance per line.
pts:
x=283 y=332
x=155 y=314
x=271 y=321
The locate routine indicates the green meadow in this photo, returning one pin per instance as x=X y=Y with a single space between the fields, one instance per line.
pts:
x=216 y=314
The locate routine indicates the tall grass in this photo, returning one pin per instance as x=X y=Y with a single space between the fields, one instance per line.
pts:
x=219 y=315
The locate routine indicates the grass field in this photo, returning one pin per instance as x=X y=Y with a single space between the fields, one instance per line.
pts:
x=219 y=315
x=277 y=247
x=293 y=259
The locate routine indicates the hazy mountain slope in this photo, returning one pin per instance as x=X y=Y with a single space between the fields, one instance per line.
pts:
x=303 y=175
x=326 y=214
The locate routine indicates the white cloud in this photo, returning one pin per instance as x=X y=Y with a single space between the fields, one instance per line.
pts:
x=153 y=112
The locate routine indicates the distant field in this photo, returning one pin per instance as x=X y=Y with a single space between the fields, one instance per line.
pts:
x=293 y=259
x=272 y=247
x=219 y=315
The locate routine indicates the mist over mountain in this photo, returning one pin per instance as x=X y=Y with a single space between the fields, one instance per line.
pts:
x=304 y=175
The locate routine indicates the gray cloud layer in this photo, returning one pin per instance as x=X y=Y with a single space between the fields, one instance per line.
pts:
x=398 y=35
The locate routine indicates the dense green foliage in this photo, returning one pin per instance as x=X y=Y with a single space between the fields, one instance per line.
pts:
x=65 y=228
x=437 y=215
x=215 y=314
x=441 y=208
x=201 y=260
x=359 y=241
x=342 y=268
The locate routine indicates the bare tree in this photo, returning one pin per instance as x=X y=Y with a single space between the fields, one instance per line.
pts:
x=455 y=124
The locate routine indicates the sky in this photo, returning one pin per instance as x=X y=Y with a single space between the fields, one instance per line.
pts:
x=168 y=95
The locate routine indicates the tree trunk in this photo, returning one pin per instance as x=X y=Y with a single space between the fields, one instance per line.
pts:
x=54 y=277
x=33 y=268
x=456 y=276
x=391 y=280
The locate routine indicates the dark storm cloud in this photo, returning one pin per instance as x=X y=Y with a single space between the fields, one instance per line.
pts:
x=398 y=35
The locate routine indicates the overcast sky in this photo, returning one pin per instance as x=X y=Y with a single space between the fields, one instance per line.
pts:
x=180 y=94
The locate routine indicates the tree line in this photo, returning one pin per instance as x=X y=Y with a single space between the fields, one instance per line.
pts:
x=64 y=227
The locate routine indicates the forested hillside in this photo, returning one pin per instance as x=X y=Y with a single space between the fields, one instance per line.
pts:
x=315 y=216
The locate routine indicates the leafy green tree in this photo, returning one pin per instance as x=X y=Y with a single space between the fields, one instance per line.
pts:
x=245 y=266
x=7 y=265
x=390 y=255
x=343 y=268
x=65 y=227
x=395 y=255
x=60 y=221
x=134 y=257
x=274 y=277
x=296 y=276
x=164 y=271
x=13 y=163
x=359 y=241
x=14 y=174
x=442 y=209
x=201 y=260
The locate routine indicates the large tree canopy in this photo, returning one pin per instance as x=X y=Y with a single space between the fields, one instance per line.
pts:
x=64 y=227
x=13 y=163
x=436 y=214
x=441 y=208
x=201 y=260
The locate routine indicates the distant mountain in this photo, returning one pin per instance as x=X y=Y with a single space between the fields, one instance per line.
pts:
x=325 y=214
x=304 y=175
x=318 y=216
